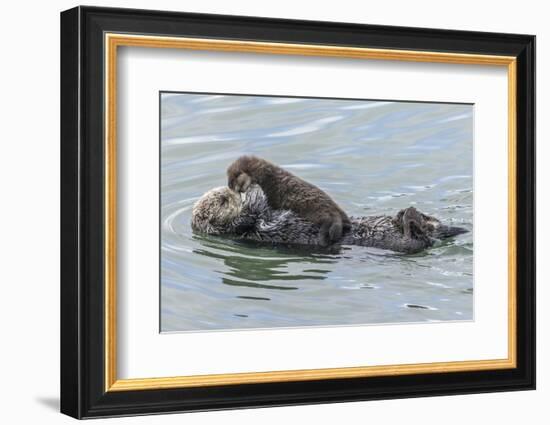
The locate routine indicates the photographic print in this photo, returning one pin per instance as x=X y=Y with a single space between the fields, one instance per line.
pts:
x=321 y=190
x=280 y=212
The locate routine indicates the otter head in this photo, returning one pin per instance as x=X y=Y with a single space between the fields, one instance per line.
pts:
x=239 y=173
x=216 y=211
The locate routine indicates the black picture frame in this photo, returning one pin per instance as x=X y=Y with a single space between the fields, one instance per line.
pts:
x=83 y=392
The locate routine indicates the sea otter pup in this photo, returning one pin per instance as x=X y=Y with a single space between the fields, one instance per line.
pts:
x=285 y=191
x=221 y=212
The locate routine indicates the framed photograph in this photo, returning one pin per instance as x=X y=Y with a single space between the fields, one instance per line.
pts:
x=261 y=212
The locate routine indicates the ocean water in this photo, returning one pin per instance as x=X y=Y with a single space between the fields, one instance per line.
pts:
x=372 y=157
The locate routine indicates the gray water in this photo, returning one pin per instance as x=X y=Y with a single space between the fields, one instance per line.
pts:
x=372 y=157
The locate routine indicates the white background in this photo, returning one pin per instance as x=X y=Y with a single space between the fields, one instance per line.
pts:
x=143 y=352
x=29 y=360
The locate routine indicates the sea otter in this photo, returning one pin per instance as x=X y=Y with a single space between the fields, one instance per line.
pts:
x=221 y=211
x=285 y=191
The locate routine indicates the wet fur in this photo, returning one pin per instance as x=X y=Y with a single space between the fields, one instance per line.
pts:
x=217 y=212
x=285 y=191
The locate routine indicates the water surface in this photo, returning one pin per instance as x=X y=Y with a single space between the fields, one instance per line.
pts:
x=372 y=157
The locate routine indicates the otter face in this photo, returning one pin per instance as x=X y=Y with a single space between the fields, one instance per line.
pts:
x=238 y=180
x=238 y=173
x=233 y=172
x=216 y=210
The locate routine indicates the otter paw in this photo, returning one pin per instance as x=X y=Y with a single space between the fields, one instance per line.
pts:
x=240 y=183
x=413 y=223
x=335 y=231
x=330 y=231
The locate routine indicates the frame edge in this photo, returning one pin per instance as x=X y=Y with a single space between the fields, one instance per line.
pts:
x=70 y=348
x=81 y=399
x=526 y=181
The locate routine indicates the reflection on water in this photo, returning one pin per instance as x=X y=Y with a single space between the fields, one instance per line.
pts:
x=266 y=265
x=371 y=157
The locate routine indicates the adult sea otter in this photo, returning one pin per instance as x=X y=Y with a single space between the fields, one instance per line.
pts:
x=222 y=211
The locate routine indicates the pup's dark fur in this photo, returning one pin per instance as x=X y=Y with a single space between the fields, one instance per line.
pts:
x=285 y=191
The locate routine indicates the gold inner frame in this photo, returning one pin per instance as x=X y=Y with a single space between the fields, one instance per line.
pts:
x=113 y=41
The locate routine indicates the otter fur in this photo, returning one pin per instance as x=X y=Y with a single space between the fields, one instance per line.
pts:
x=222 y=212
x=285 y=191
